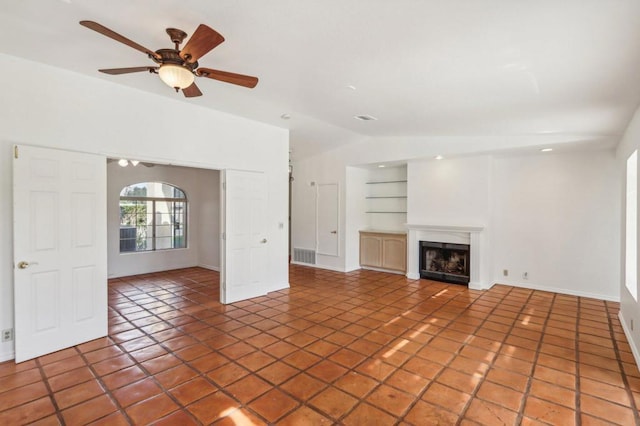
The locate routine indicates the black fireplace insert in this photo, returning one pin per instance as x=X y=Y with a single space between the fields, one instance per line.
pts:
x=446 y=262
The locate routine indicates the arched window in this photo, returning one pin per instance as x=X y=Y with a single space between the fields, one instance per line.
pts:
x=153 y=216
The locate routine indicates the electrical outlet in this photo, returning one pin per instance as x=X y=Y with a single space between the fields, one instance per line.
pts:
x=525 y=276
x=505 y=272
x=7 y=334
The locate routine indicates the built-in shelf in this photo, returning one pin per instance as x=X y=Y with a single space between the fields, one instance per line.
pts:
x=385 y=197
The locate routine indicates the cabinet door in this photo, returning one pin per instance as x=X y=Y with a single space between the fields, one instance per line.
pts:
x=370 y=250
x=394 y=253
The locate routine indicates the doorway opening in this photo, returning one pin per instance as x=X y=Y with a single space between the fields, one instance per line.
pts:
x=187 y=204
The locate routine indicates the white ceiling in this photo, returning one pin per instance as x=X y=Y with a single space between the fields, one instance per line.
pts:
x=425 y=68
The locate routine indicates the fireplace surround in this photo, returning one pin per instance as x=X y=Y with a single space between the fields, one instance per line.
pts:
x=474 y=236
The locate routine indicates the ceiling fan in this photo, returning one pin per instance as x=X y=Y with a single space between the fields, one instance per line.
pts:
x=178 y=68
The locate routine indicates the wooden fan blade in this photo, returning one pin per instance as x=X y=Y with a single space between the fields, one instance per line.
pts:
x=114 y=35
x=228 y=77
x=116 y=71
x=191 y=91
x=202 y=41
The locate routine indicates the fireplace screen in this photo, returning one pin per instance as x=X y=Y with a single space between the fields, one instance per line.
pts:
x=444 y=262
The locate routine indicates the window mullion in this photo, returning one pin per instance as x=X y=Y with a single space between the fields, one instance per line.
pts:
x=153 y=221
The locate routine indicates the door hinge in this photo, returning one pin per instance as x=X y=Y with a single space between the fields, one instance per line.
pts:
x=224 y=235
x=224 y=185
x=15 y=151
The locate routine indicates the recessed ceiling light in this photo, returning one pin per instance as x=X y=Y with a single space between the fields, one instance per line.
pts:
x=285 y=116
x=351 y=87
x=364 y=117
x=546 y=149
x=438 y=157
x=381 y=166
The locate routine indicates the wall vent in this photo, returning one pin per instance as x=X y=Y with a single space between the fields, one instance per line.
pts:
x=304 y=256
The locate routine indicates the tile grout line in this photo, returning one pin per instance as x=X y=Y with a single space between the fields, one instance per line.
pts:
x=475 y=391
x=371 y=300
x=45 y=379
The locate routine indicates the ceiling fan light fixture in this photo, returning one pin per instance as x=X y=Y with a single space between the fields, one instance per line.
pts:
x=176 y=76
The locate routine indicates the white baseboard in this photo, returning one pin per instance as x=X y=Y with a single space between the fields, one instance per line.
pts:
x=7 y=355
x=352 y=268
x=562 y=291
x=330 y=268
x=632 y=343
x=480 y=286
x=210 y=267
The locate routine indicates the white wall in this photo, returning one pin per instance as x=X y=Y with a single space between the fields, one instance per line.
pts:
x=449 y=192
x=629 y=307
x=553 y=215
x=201 y=187
x=49 y=107
x=308 y=174
x=557 y=217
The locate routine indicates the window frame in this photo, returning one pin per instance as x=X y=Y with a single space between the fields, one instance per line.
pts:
x=631 y=225
x=153 y=213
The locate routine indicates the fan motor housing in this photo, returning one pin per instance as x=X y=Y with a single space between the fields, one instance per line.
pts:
x=172 y=56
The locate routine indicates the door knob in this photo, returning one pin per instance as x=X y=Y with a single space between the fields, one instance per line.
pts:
x=334 y=232
x=264 y=241
x=25 y=265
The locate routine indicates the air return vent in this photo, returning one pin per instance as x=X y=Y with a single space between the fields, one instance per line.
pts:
x=304 y=256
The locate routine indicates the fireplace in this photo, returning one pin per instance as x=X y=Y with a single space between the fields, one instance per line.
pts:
x=446 y=262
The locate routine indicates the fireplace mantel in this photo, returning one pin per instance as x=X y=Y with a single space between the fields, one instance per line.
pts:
x=472 y=235
x=445 y=228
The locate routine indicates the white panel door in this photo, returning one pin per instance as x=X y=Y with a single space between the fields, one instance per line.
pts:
x=327 y=223
x=245 y=244
x=60 y=249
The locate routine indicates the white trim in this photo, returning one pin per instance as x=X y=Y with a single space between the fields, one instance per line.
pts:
x=561 y=291
x=7 y=355
x=210 y=267
x=330 y=268
x=627 y=333
x=443 y=228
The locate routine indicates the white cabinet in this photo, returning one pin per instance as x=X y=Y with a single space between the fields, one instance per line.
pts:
x=383 y=250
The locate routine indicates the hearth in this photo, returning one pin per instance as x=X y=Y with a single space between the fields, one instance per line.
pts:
x=446 y=262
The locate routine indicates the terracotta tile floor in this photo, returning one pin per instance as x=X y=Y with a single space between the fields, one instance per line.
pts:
x=362 y=348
